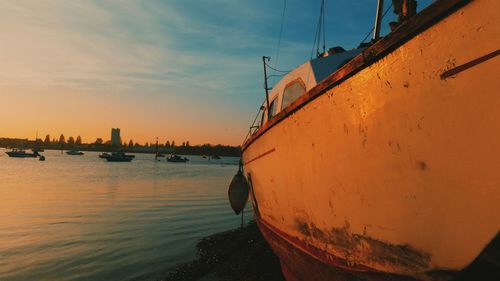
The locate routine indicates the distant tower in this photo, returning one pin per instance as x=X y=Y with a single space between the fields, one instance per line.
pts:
x=115 y=136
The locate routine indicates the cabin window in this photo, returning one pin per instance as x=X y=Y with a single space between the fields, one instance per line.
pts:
x=268 y=114
x=292 y=91
x=262 y=117
x=273 y=108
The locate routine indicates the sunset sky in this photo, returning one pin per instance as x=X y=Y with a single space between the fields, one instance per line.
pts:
x=180 y=70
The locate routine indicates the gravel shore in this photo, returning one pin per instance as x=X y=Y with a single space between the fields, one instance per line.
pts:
x=236 y=255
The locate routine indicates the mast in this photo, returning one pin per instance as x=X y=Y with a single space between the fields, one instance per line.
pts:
x=156 y=154
x=378 y=20
x=265 y=83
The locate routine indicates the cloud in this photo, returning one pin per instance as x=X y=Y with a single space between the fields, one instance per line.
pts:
x=108 y=44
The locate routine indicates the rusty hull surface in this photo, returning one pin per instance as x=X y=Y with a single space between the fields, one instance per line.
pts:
x=301 y=262
x=361 y=249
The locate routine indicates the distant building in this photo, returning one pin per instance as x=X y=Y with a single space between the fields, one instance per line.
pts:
x=115 y=136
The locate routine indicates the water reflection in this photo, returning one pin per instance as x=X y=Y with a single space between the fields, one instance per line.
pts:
x=81 y=218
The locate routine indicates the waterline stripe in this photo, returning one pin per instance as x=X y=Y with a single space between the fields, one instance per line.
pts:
x=465 y=66
x=260 y=156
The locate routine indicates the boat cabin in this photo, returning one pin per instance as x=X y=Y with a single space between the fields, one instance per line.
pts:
x=304 y=78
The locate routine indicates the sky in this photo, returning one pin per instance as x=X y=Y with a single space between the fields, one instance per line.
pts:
x=183 y=70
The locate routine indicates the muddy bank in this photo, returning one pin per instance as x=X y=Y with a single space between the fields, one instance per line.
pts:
x=236 y=255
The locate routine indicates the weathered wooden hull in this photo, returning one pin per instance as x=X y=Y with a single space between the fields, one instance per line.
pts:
x=395 y=170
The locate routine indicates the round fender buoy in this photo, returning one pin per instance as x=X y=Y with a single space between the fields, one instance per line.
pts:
x=238 y=192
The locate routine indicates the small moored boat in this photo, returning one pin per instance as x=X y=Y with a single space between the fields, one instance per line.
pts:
x=117 y=157
x=20 y=153
x=177 y=159
x=74 y=152
x=123 y=154
x=104 y=155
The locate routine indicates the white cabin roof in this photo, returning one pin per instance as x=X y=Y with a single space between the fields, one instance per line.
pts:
x=311 y=73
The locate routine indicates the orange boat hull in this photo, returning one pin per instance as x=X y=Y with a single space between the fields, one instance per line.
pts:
x=393 y=169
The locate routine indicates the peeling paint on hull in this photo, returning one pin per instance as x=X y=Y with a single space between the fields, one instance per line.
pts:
x=361 y=249
x=301 y=262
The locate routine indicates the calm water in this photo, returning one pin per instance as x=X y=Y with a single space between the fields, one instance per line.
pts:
x=81 y=218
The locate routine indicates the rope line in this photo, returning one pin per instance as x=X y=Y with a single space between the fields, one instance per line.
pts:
x=317 y=35
x=371 y=30
x=281 y=33
x=324 y=26
x=277 y=70
x=276 y=75
x=253 y=124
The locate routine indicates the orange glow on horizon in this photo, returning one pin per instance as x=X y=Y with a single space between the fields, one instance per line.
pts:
x=75 y=113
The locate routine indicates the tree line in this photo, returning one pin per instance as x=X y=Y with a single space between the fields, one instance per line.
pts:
x=100 y=145
x=99 y=141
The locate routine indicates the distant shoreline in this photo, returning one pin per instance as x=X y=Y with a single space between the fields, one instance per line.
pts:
x=205 y=149
x=136 y=152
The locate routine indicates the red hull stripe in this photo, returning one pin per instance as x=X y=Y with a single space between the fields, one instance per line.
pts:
x=312 y=251
x=465 y=66
x=260 y=156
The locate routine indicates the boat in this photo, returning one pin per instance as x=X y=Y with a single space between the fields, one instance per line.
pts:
x=41 y=158
x=381 y=163
x=123 y=154
x=74 y=152
x=177 y=158
x=38 y=144
x=21 y=153
x=216 y=157
x=119 y=158
x=104 y=155
x=116 y=155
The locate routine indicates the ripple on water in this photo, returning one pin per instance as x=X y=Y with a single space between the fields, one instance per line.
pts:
x=81 y=218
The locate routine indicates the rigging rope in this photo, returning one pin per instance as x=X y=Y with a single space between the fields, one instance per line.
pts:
x=324 y=26
x=277 y=70
x=371 y=30
x=281 y=32
x=276 y=75
x=252 y=126
x=320 y=27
